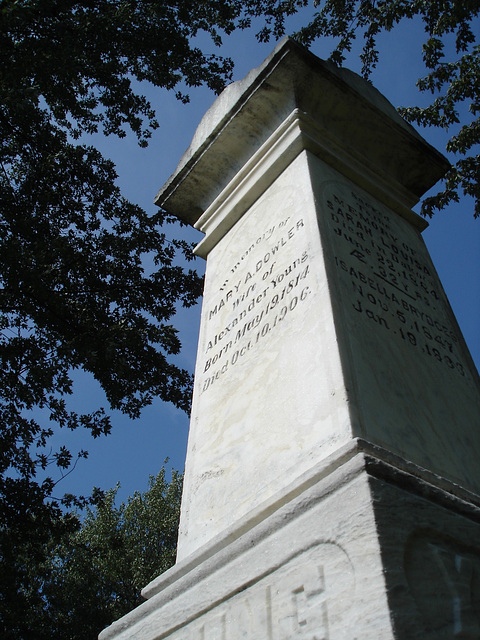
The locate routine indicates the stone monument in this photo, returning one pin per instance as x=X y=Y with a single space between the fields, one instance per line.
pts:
x=333 y=470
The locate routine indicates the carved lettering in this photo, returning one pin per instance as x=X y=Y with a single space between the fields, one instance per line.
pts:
x=291 y=602
x=392 y=286
x=458 y=571
x=269 y=286
x=311 y=618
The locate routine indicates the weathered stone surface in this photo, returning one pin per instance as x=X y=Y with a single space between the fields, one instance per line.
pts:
x=323 y=317
x=413 y=388
x=269 y=395
x=354 y=556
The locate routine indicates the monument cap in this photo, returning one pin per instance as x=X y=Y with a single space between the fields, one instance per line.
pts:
x=354 y=116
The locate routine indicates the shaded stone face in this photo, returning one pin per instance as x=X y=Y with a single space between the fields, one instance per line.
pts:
x=413 y=386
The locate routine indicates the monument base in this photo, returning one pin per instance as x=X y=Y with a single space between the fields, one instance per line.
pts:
x=359 y=548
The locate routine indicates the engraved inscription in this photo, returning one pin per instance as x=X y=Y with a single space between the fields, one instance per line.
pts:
x=309 y=597
x=311 y=608
x=444 y=579
x=267 y=283
x=458 y=571
x=214 y=628
x=392 y=285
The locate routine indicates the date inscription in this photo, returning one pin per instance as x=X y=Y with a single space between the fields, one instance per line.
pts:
x=391 y=284
x=266 y=285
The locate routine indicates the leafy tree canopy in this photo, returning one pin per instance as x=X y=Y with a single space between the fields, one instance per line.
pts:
x=451 y=54
x=88 y=280
x=93 y=575
x=74 y=290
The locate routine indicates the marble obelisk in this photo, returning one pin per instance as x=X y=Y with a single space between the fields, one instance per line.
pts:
x=333 y=470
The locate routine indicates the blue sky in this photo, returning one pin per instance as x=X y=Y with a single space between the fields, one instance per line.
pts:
x=137 y=449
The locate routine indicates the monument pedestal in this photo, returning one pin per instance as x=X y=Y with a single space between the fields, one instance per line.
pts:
x=357 y=551
x=332 y=476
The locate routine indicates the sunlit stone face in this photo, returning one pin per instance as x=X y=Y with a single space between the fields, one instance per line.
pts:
x=269 y=398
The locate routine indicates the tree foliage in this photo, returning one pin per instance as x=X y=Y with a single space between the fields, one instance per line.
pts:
x=451 y=54
x=88 y=280
x=28 y=527
x=92 y=575
x=75 y=292
x=74 y=289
